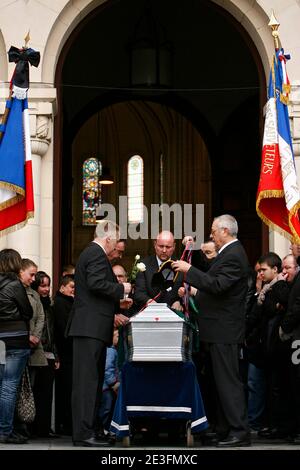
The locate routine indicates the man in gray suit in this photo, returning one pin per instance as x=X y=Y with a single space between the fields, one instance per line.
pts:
x=221 y=299
x=97 y=299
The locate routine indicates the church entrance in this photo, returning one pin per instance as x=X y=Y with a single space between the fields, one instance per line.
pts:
x=193 y=122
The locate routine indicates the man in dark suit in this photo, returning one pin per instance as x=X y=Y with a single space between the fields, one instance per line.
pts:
x=295 y=251
x=144 y=292
x=289 y=332
x=221 y=301
x=97 y=298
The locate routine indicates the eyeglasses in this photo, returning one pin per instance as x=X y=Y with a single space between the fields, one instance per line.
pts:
x=213 y=231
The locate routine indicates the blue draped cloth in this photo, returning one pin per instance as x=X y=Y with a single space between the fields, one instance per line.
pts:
x=161 y=390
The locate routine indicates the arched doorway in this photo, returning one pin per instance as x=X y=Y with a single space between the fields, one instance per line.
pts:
x=217 y=85
x=176 y=168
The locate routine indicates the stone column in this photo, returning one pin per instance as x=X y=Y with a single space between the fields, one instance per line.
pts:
x=44 y=131
x=27 y=239
x=34 y=241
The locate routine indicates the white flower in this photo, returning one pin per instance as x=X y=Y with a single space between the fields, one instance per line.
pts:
x=137 y=257
x=141 y=267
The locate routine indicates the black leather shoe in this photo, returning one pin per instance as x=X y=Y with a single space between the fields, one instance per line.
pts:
x=272 y=433
x=111 y=438
x=92 y=442
x=20 y=436
x=50 y=435
x=295 y=440
x=13 y=438
x=234 y=441
x=267 y=432
x=210 y=435
x=212 y=438
x=53 y=435
x=209 y=439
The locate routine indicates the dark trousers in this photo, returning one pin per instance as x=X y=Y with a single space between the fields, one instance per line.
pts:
x=107 y=408
x=42 y=379
x=294 y=371
x=89 y=356
x=231 y=410
x=206 y=381
x=63 y=393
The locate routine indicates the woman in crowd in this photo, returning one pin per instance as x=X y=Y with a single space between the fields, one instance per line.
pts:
x=37 y=359
x=43 y=384
x=15 y=313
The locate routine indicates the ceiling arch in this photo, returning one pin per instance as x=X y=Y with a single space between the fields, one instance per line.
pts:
x=248 y=13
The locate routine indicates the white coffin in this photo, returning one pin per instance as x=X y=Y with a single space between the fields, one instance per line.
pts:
x=157 y=334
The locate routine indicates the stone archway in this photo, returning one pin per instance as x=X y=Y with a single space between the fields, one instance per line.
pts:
x=65 y=26
x=248 y=13
x=162 y=137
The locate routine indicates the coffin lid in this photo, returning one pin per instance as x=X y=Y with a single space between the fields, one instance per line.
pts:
x=155 y=313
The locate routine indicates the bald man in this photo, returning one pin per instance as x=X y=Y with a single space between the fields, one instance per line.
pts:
x=164 y=247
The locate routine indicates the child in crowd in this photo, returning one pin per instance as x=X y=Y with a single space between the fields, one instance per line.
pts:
x=62 y=306
x=110 y=385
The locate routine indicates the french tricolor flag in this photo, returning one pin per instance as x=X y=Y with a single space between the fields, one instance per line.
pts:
x=16 y=182
x=278 y=195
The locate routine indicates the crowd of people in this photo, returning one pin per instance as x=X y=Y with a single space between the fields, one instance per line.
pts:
x=32 y=331
x=247 y=321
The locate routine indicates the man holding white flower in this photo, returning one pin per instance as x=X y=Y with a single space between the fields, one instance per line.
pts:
x=96 y=297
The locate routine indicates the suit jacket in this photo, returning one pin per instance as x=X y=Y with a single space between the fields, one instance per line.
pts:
x=200 y=260
x=291 y=321
x=222 y=296
x=97 y=295
x=144 y=291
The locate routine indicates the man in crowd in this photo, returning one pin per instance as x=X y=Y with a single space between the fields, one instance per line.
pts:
x=263 y=349
x=97 y=295
x=221 y=300
x=120 y=318
x=202 y=258
x=290 y=331
x=295 y=251
x=209 y=249
x=68 y=270
x=116 y=255
x=120 y=273
x=164 y=247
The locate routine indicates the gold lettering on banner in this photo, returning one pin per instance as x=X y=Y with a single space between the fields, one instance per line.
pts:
x=269 y=157
x=270 y=131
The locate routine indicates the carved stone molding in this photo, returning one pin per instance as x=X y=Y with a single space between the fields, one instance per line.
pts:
x=40 y=125
x=39 y=146
x=43 y=128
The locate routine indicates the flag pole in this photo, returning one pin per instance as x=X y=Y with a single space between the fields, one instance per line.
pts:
x=27 y=39
x=274 y=25
x=5 y=115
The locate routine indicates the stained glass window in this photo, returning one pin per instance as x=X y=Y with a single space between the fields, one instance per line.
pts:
x=135 y=185
x=91 y=190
